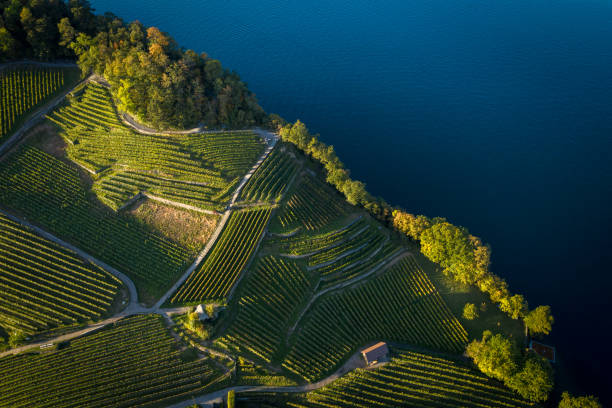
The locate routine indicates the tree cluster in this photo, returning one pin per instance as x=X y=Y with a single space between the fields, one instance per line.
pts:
x=568 y=401
x=526 y=373
x=150 y=76
x=33 y=28
x=466 y=259
x=336 y=173
x=462 y=256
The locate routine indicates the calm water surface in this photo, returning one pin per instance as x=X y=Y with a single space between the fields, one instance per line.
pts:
x=494 y=114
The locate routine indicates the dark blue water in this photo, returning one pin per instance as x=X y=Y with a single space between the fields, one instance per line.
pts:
x=494 y=114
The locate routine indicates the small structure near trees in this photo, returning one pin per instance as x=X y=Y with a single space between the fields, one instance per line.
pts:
x=544 y=350
x=202 y=313
x=376 y=353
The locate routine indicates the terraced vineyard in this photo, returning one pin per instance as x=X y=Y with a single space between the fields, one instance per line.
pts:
x=22 y=89
x=118 y=188
x=214 y=278
x=163 y=156
x=198 y=170
x=311 y=206
x=413 y=380
x=273 y=290
x=271 y=178
x=374 y=260
x=134 y=363
x=233 y=153
x=43 y=285
x=300 y=245
x=91 y=110
x=353 y=248
x=400 y=305
x=50 y=192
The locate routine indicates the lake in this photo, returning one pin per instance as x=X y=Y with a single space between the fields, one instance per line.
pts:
x=494 y=114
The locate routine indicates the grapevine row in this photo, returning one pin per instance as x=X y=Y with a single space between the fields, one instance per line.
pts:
x=214 y=278
x=401 y=305
x=136 y=362
x=22 y=89
x=272 y=291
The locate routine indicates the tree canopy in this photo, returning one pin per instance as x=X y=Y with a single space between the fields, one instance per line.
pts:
x=150 y=76
x=494 y=355
x=539 y=320
x=535 y=381
x=568 y=401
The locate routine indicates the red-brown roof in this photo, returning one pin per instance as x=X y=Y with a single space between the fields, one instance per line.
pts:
x=548 y=352
x=375 y=352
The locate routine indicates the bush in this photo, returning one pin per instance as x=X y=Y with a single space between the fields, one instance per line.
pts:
x=470 y=312
x=567 y=401
x=535 y=381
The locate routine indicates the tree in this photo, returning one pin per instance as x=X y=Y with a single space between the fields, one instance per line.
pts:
x=409 y=224
x=539 y=320
x=494 y=355
x=8 y=45
x=567 y=401
x=210 y=310
x=67 y=32
x=451 y=247
x=355 y=192
x=470 y=312
x=231 y=399
x=535 y=381
x=3 y=345
x=16 y=339
x=515 y=306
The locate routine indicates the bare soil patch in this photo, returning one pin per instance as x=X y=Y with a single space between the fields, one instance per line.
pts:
x=47 y=139
x=188 y=228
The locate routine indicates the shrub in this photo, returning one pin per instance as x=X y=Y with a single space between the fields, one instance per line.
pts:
x=470 y=312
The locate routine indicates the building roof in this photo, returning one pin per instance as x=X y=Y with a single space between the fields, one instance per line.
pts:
x=546 y=351
x=375 y=352
x=200 y=309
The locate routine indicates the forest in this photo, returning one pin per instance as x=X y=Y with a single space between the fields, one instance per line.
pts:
x=151 y=77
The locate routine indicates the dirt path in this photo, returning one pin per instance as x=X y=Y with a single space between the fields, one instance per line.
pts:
x=133 y=306
x=59 y=64
x=218 y=230
x=216 y=397
x=69 y=336
x=177 y=204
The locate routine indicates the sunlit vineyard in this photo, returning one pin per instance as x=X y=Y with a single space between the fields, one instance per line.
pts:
x=374 y=260
x=134 y=363
x=311 y=206
x=188 y=169
x=400 y=305
x=44 y=285
x=303 y=245
x=233 y=153
x=91 y=109
x=273 y=290
x=117 y=188
x=22 y=89
x=214 y=278
x=353 y=248
x=50 y=192
x=271 y=178
x=413 y=380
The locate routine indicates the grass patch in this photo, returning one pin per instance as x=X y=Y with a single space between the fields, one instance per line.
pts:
x=457 y=295
x=190 y=229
